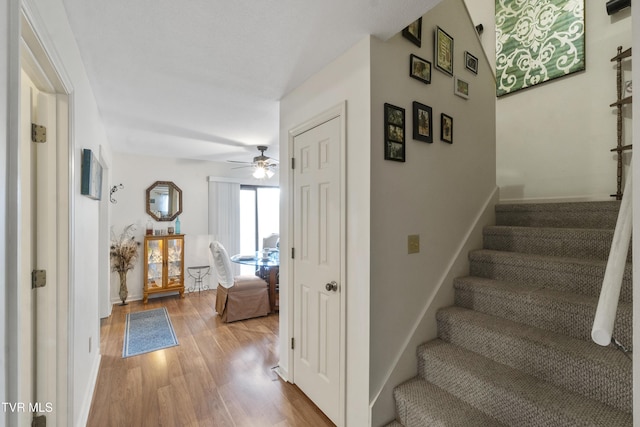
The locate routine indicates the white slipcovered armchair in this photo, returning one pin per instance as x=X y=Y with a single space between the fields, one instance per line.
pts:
x=237 y=297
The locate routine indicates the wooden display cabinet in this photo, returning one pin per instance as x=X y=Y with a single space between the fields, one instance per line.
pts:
x=163 y=265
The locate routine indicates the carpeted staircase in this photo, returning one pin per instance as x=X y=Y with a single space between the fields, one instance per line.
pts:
x=515 y=349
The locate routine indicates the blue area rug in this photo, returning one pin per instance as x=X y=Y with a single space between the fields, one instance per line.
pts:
x=147 y=331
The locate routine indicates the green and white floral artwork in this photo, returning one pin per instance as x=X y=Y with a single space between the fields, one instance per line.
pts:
x=537 y=41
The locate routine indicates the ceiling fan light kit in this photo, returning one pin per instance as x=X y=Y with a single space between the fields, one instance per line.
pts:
x=263 y=166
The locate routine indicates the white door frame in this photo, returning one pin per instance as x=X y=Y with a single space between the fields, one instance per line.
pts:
x=44 y=64
x=339 y=111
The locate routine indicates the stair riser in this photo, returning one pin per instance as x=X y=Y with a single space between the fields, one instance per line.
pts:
x=419 y=404
x=596 y=380
x=585 y=279
x=566 y=215
x=573 y=320
x=587 y=244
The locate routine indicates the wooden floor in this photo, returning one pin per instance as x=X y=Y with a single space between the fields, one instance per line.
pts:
x=220 y=374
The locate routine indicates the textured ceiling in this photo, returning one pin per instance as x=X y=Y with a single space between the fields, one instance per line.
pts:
x=201 y=79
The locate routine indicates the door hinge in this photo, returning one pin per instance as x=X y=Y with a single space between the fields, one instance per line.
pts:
x=38 y=278
x=38 y=133
x=39 y=421
x=293 y=253
x=293 y=343
x=293 y=163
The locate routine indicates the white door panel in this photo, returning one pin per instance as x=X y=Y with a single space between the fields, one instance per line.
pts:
x=317 y=262
x=38 y=252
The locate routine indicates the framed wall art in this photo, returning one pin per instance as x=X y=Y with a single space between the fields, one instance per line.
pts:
x=91 y=182
x=538 y=42
x=422 y=122
x=413 y=32
x=471 y=62
x=461 y=87
x=394 y=146
x=446 y=128
x=420 y=69
x=443 y=51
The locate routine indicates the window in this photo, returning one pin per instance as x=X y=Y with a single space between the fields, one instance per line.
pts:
x=259 y=217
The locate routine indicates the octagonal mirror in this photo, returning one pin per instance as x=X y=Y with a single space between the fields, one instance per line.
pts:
x=164 y=201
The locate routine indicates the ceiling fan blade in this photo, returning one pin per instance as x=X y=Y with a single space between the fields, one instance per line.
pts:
x=238 y=161
x=242 y=167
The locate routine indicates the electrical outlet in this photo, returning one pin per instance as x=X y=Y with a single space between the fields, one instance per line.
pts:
x=413 y=244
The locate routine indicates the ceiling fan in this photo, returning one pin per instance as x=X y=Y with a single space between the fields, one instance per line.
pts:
x=263 y=166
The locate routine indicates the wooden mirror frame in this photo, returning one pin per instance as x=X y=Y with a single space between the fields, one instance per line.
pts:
x=174 y=214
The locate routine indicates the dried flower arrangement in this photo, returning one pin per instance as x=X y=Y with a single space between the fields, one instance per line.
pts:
x=123 y=254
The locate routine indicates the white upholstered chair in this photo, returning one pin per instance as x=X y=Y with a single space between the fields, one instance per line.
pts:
x=237 y=297
x=271 y=241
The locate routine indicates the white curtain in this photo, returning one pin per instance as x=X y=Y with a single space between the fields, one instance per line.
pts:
x=224 y=215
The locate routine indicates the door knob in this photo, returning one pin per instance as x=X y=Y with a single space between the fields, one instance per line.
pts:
x=332 y=286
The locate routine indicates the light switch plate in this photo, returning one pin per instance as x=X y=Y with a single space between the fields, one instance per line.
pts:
x=413 y=243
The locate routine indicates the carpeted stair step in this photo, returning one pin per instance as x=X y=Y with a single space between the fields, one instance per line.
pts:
x=556 y=311
x=566 y=215
x=420 y=403
x=563 y=274
x=509 y=395
x=394 y=424
x=600 y=373
x=560 y=242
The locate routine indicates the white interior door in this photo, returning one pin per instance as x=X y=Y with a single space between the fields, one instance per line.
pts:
x=38 y=252
x=317 y=269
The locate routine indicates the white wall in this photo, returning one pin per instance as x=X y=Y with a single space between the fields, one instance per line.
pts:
x=484 y=12
x=347 y=78
x=437 y=194
x=137 y=173
x=553 y=140
x=87 y=132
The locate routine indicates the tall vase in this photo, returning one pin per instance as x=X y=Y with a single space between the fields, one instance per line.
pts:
x=124 y=292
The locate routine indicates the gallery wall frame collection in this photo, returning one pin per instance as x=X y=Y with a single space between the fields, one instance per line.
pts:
x=420 y=69
x=443 y=51
x=413 y=32
x=394 y=126
x=422 y=114
x=422 y=122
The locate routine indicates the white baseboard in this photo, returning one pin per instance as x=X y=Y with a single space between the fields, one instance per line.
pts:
x=83 y=414
x=595 y=198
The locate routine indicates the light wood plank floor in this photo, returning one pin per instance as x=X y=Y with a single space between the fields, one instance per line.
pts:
x=220 y=374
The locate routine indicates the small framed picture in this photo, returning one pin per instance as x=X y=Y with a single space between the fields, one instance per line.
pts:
x=446 y=128
x=422 y=122
x=443 y=51
x=471 y=62
x=413 y=32
x=420 y=69
x=461 y=88
x=394 y=146
x=91 y=181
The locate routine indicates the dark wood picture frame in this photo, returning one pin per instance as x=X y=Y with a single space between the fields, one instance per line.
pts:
x=422 y=122
x=470 y=62
x=443 y=51
x=394 y=139
x=446 y=128
x=420 y=69
x=413 y=32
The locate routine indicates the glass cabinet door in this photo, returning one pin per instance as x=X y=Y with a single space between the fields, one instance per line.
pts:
x=155 y=257
x=174 y=261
